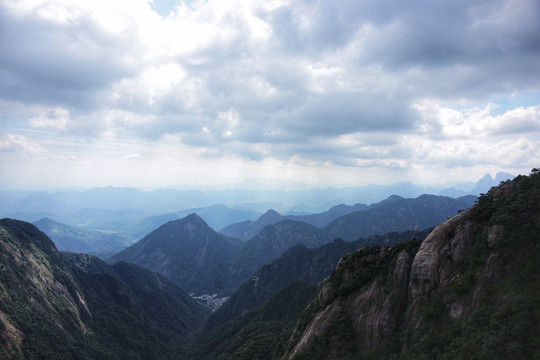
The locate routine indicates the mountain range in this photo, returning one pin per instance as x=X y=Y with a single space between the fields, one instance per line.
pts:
x=120 y=209
x=248 y=229
x=202 y=261
x=468 y=290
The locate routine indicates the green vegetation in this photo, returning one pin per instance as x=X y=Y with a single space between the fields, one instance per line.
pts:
x=496 y=286
x=72 y=306
x=337 y=339
x=297 y=264
x=404 y=214
x=258 y=334
x=505 y=322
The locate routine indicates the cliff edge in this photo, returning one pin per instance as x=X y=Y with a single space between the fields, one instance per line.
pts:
x=470 y=290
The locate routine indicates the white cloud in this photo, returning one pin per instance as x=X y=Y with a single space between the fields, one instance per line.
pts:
x=19 y=144
x=450 y=123
x=56 y=119
x=348 y=84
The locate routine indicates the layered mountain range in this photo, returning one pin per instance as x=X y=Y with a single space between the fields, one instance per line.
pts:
x=202 y=261
x=469 y=288
x=133 y=213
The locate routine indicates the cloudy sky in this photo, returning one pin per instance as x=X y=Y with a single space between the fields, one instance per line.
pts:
x=167 y=93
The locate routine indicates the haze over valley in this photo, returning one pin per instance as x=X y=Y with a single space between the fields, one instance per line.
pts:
x=105 y=220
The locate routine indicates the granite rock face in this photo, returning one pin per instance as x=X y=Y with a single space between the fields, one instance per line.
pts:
x=451 y=291
x=435 y=266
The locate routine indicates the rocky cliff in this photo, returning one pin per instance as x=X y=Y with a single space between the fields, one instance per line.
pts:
x=470 y=290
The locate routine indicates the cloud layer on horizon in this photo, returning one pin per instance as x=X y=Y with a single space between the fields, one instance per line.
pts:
x=363 y=86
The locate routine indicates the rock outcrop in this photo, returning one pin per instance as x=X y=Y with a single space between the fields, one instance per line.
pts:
x=470 y=290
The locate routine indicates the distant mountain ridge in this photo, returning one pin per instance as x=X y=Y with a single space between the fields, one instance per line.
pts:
x=248 y=229
x=367 y=224
x=396 y=215
x=69 y=238
x=60 y=205
x=219 y=216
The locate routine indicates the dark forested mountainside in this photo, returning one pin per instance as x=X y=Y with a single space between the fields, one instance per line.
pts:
x=471 y=290
x=401 y=215
x=248 y=229
x=299 y=263
x=352 y=222
x=259 y=334
x=275 y=239
x=201 y=261
x=195 y=257
x=189 y=253
x=264 y=309
x=77 y=307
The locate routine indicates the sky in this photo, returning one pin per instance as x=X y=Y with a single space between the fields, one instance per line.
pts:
x=165 y=93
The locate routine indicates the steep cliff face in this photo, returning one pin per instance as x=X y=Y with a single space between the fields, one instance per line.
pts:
x=436 y=266
x=470 y=290
x=38 y=295
x=359 y=307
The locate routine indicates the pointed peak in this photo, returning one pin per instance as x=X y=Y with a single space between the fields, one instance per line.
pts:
x=487 y=177
x=503 y=176
x=190 y=222
x=194 y=218
x=270 y=215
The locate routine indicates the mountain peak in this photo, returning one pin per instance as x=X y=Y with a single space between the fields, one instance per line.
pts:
x=190 y=223
x=487 y=177
x=503 y=176
x=45 y=220
x=194 y=218
x=271 y=216
x=484 y=184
